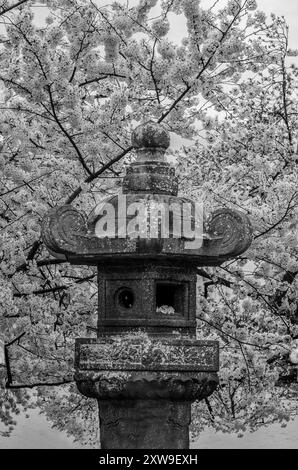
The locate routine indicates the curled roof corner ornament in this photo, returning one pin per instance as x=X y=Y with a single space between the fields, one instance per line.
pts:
x=230 y=233
x=62 y=229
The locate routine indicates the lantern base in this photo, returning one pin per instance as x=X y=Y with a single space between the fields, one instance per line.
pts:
x=144 y=424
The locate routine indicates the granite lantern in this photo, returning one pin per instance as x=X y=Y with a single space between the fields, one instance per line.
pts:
x=146 y=366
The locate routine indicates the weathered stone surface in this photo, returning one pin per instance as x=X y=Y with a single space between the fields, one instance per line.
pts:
x=157 y=354
x=149 y=180
x=65 y=231
x=150 y=177
x=150 y=173
x=61 y=229
x=146 y=385
x=146 y=368
x=143 y=279
x=230 y=233
x=144 y=424
x=150 y=135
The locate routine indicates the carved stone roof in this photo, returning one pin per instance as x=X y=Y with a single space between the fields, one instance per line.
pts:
x=150 y=180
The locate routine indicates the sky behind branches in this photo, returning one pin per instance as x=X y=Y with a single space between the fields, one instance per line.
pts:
x=287 y=8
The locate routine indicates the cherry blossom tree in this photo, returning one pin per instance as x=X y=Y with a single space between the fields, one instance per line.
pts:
x=249 y=162
x=72 y=91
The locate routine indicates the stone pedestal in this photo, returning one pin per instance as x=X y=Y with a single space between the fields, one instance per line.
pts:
x=144 y=424
x=145 y=386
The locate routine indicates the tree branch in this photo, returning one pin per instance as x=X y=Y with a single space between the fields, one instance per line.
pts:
x=280 y=220
x=6 y=356
x=46 y=262
x=81 y=158
x=6 y=10
x=205 y=65
x=97 y=79
x=221 y=280
x=53 y=289
x=11 y=386
x=118 y=157
x=95 y=175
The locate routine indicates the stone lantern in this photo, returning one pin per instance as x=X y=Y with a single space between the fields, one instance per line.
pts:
x=146 y=367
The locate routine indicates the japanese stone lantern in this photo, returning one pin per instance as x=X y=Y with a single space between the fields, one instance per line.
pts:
x=146 y=367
